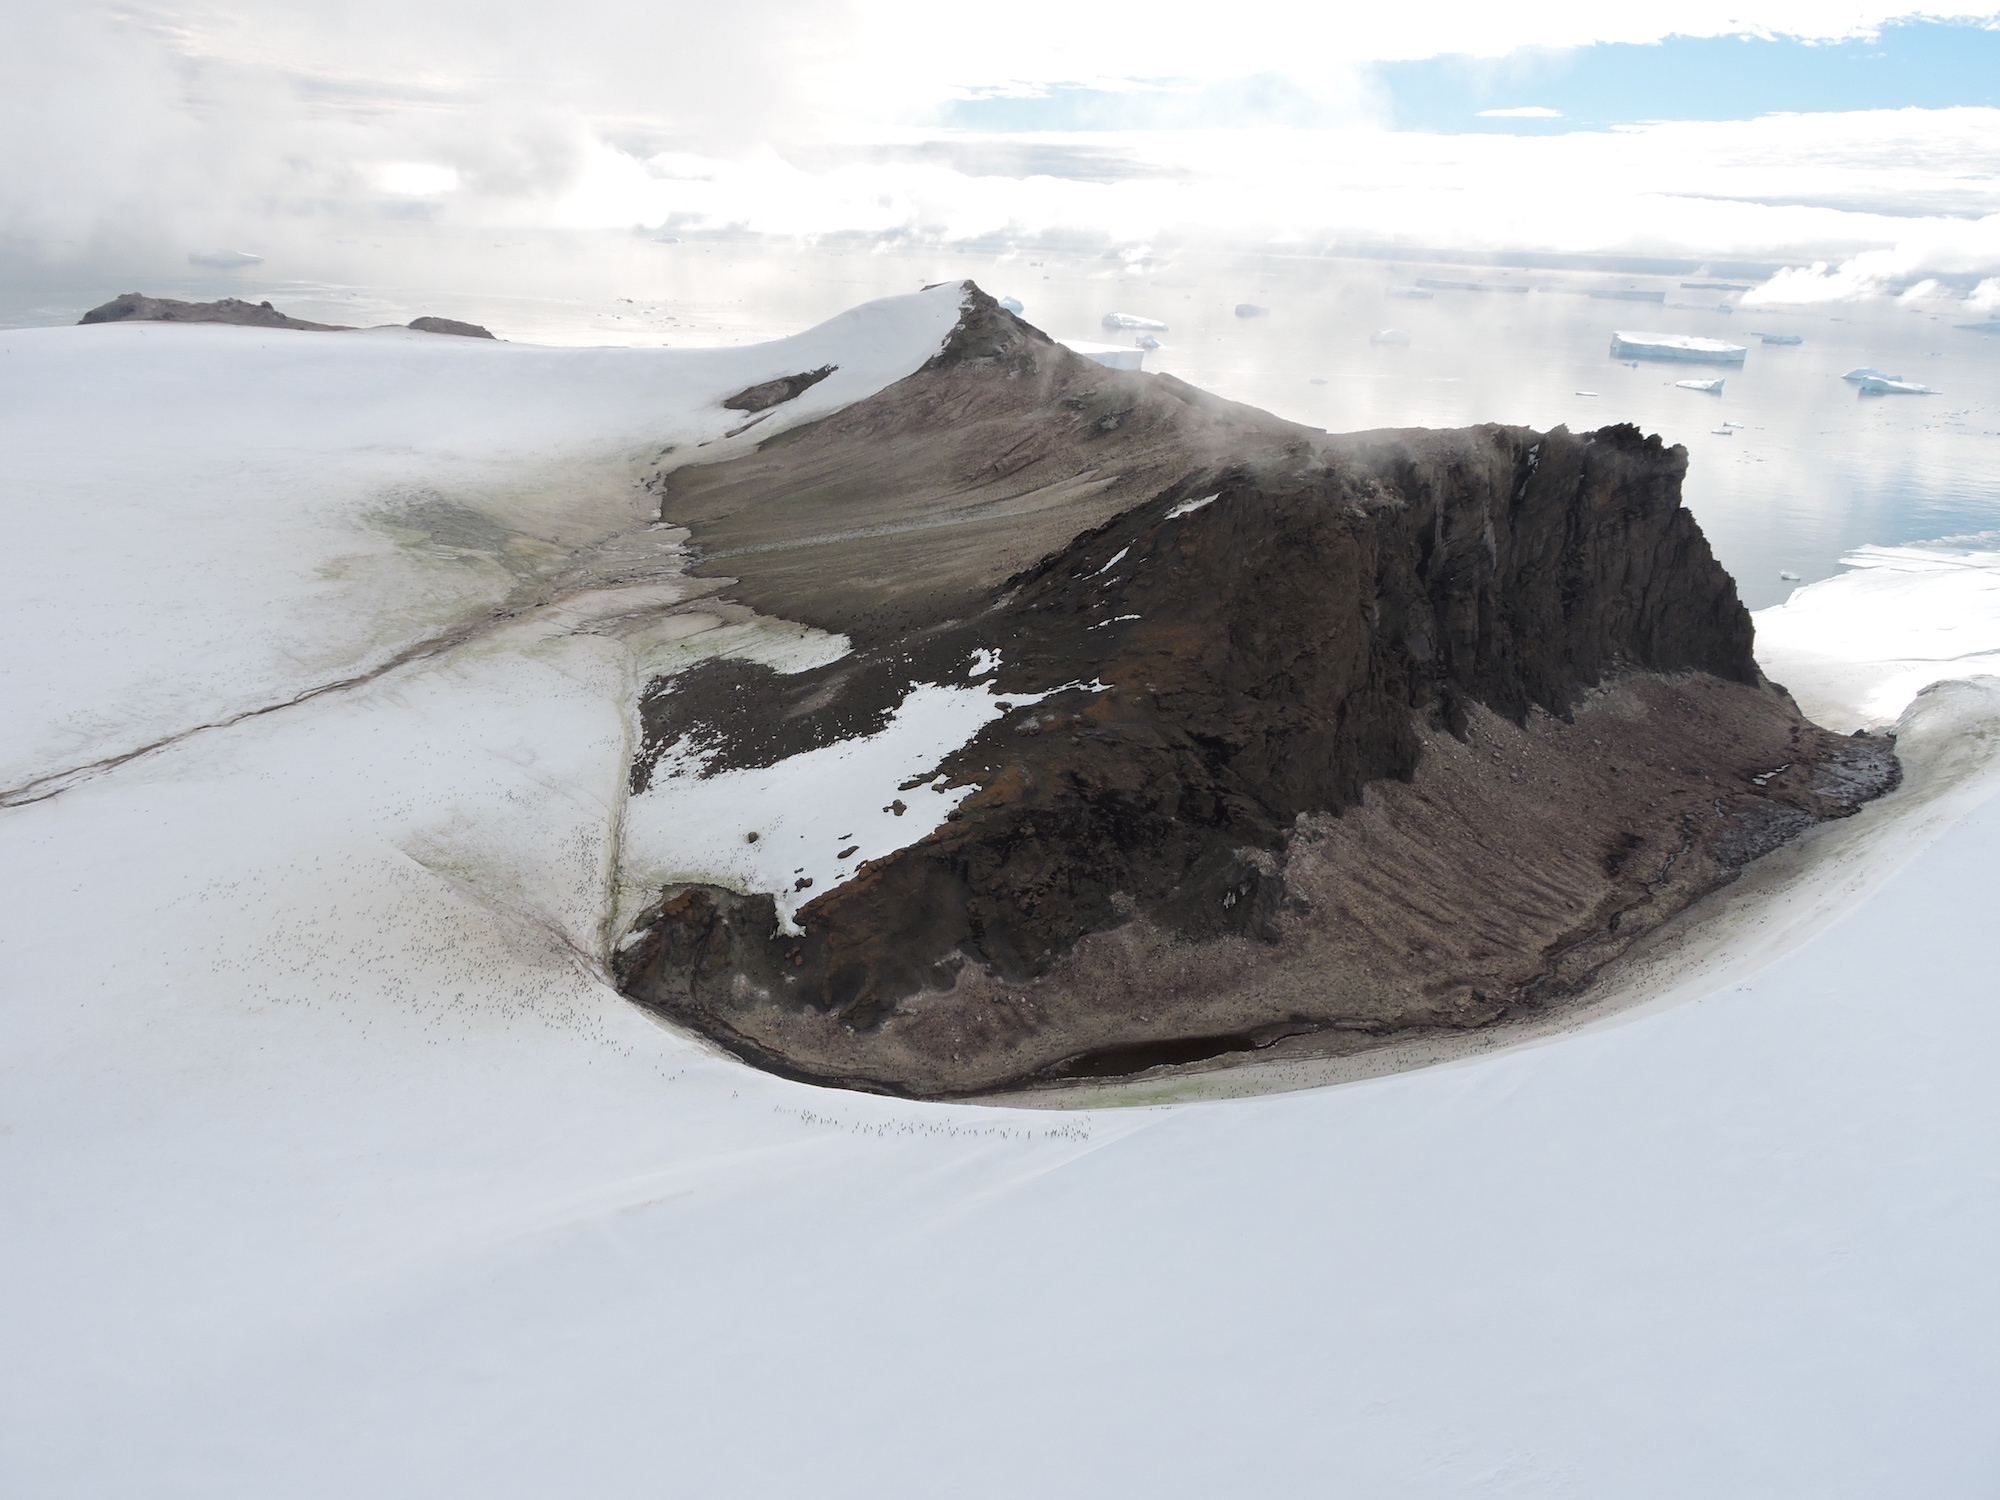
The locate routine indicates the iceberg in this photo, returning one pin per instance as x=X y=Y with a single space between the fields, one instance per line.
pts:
x=1781 y=338
x=1146 y=341
x=1111 y=356
x=1679 y=346
x=1888 y=385
x=1251 y=310
x=1713 y=387
x=224 y=260
x=1132 y=320
x=1867 y=372
x=1013 y=305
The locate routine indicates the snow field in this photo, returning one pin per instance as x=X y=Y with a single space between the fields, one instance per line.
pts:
x=333 y=1166
x=212 y=519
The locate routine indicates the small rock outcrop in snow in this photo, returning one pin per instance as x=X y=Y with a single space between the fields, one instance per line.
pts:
x=450 y=325
x=769 y=393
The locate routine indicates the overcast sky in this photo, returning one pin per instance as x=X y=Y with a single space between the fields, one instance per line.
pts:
x=240 y=123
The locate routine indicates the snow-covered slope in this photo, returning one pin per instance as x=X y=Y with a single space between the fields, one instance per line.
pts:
x=331 y=1166
x=210 y=519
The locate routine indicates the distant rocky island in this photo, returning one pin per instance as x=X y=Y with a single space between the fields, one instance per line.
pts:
x=1309 y=743
x=137 y=307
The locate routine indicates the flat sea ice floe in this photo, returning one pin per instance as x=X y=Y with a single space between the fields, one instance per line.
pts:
x=1857 y=647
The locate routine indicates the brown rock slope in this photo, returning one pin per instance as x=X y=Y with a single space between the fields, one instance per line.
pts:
x=1398 y=732
x=918 y=504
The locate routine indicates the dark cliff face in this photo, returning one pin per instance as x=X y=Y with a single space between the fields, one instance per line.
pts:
x=1213 y=672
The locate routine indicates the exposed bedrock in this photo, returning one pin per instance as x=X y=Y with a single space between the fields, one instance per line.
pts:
x=1397 y=731
x=137 y=307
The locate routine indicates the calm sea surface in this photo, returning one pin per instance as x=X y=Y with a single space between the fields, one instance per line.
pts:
x=1815 y=468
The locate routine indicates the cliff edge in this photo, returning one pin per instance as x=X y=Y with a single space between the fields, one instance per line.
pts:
x=1303 y=742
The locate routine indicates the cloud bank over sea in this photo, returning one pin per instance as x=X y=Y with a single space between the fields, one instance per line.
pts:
x=228 y=130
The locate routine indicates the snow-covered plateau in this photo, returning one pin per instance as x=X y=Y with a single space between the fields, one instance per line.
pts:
x=332 y=1164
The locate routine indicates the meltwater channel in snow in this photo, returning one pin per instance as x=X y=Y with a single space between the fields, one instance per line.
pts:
x=334 y=1166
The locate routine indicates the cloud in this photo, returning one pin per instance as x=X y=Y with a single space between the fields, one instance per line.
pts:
x=416 y=178
x=1911 y=266
x=143 y=129
x=1525 y=112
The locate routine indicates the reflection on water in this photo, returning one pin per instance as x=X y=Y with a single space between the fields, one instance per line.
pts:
x=1814 y=469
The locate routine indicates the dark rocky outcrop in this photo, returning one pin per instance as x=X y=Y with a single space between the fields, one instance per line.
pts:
x=450 y=325
x=136 y=307
x=776 y=392
x=1320 y=740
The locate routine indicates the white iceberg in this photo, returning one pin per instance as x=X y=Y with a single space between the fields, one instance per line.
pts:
x=1712 y=387
x=1867 y=372
x=1111 y=356
x=1013 y=305
x=1251 y=310
x=1888 y=385
x=1781 y=338
x=1679 y=346
x=224 y=260
x=1133 y=320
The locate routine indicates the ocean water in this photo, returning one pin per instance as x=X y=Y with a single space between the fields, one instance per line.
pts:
x=1814 y=470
